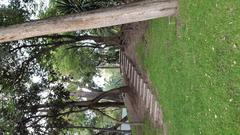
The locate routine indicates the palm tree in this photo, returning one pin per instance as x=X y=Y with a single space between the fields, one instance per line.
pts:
x=77 y=6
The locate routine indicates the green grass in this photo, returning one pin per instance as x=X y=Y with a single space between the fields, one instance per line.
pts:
x=197 y=74
x=148 y=129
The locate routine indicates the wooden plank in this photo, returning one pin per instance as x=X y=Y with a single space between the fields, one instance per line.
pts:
x=156 y=114
x=126 y=67
x=130 y=74
x=153 y=105
x=121 y=62
x=136 y=77
x=153 y=108
x=129 y=70
x=148 y=99
x=133 y=75
x=140 y=87
x=160 y=116
x=144 y=91
x=150 y=103
x=132 y=78
x=124 y=62
x=137 y=83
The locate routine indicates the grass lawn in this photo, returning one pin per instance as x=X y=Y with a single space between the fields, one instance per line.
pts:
x=148 y=129
x=197 y=73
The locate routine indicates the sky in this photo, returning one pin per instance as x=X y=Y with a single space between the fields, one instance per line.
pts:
x=3 y=2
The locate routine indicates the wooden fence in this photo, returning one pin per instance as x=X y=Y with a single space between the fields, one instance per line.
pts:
x=141 y=87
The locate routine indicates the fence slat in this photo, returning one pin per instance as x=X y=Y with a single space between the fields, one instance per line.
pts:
x=129 y=70
x=142 y=94
x=150 y=104
x=148 y=99
x=132 y=78
x=156 y=111
x=135 y=79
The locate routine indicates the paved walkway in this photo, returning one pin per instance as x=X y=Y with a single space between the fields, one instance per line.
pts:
x=142 y=90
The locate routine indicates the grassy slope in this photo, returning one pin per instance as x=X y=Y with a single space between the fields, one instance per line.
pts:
x=197 y=75
x=148 y=129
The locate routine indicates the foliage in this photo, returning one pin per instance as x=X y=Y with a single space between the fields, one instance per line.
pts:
x=115 y=79
x=15 y=12
x=77 y=6
x=64 y=7
x=80 y=62
x=45 y=106
x=50 y=11
x=9 y=16
x=41 y=105
x=76 y=63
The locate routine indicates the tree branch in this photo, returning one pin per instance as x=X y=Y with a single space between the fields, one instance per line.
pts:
x=58 y=44
x=114 y=127
x=78 y=104
x=120 y=89
x=56 y=115
x=96 y=128
x=73 y=39
x=116 y=120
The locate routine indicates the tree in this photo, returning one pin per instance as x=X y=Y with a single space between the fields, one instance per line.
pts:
x=90 y=48
x=74 y=55
x=46 y=106
x=139 y=11
x=16 y=12
x=46 y=114
x=76 y=6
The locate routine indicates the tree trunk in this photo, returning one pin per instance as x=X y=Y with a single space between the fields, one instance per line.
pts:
x=80 y=104
x=97 y=39
x=70 y=39
x=108 y=67
x=114 y=127
x=113 y=94
x=94 y=103
x=134 y=12
x=99 y=129
x=91 y=95
x=107 y=40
